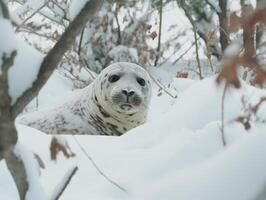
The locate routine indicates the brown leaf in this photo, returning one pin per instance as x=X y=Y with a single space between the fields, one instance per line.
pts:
x=56 y=147
x=235 y=22
x=229 y=72
x=260 y=76
x=258 y=16
x=153 y=35
x=39 y=161
x=181 y=74
x=244 y=121
x=148 y=27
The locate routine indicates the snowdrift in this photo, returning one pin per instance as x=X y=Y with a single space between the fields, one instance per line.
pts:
x=178 y=154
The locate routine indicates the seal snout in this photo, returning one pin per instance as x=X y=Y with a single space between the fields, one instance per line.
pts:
x=128 y=93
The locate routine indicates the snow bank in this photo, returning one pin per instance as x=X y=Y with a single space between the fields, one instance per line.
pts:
x=178 y=154
x=236 y=173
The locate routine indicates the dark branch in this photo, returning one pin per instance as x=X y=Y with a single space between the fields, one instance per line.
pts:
x=18 y=172
x=65 y=184
x=54 y=56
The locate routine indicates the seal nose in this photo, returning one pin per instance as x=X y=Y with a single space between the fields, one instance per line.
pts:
x=128 y=93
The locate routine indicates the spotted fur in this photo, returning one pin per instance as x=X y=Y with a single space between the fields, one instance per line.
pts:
x=93 y=109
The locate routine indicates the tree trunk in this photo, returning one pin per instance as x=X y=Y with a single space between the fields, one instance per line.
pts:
x=223 y=24
x=159 y=34
x=248 y=34
x=260 y=28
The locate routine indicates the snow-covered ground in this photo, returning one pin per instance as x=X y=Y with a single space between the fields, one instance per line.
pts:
x=177 y=154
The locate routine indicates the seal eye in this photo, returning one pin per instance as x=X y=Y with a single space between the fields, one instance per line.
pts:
x=141 y=81
x=113 y=78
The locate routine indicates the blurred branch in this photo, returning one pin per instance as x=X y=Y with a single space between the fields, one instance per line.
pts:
x=185 y=52
x=222 y=114
x=63 y=185
x=223 y=20
x=197 y=50
x=159 y=34
x=17 y=169
x=4 y=9
x=34 y=13
x=118 y=26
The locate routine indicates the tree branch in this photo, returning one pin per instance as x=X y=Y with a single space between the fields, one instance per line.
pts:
x=159 y=34
x=18 y=172
x=65 y=182
x=54 y=56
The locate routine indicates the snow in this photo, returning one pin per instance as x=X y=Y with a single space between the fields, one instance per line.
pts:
x=59 y=187
x=177 y=154
x=22 y=10
x=7 y=42
x=75 y=7
x=35 y=189
x=24 y=70
x=122 y=53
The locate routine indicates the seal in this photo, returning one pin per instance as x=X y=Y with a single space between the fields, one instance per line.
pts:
x=115 y=102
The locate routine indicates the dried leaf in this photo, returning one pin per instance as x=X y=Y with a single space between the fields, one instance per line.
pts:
x=56 y=147
x=153 y=35
x=235 y=22
x=181 y=74
x=39 y=161
x=229 y=72
x=244 y=121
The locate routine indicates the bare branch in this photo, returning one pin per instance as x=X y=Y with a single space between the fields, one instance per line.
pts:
x=97 y=168
x=4 y=9
x=17 y=169
x=197 y=49
x=185 y=52
x=65 y=182
x=118 y=26
x=222 y=115
x=163 y=88
x=29 y=17
x=159 y=34
x=53 y=58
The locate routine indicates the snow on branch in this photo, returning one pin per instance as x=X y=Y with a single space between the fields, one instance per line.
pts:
x=60 y=188
x=52 y=59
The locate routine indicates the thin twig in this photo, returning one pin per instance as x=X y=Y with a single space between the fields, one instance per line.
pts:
x=29 y=17
x=210 y=62
x=96 y=166
x=162 y=87
x=222 y=115
x=80 y=41
x=181 y=56
x=197 y=49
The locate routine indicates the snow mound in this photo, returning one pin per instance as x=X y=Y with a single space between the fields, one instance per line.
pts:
x=178 y=154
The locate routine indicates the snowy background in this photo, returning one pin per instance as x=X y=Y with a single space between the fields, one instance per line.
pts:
x=177 y=154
